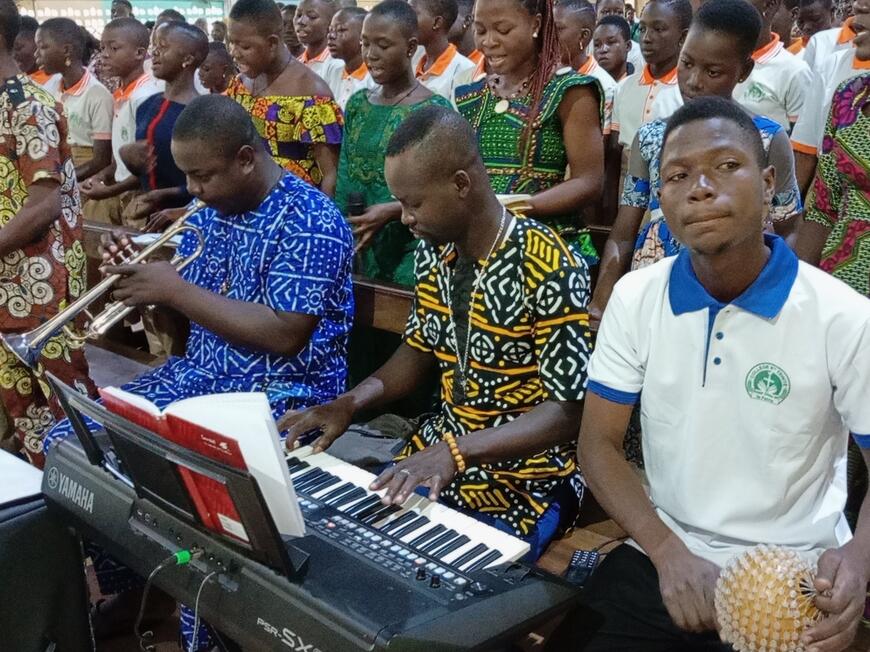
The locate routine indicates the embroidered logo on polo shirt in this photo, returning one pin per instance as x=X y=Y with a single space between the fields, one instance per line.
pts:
x=767 y=382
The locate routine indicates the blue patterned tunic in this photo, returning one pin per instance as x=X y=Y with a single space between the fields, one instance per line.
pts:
x=292 y=254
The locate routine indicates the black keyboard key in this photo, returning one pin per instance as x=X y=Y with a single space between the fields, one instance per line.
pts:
x=427 y=536
x=376 y=514
x=439 y=541
x=472 y=554
x=381 y=514
x=483 y=562
x=347 y=498
x=353 y=510
x=456 y=544
x=338 y=491
x=311 y=485
x=407 y=517
x=307 y=476
x=294 y=465
x=417 y=523
x=321 y=484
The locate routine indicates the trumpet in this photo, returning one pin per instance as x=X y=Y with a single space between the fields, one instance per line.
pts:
x=28 y=346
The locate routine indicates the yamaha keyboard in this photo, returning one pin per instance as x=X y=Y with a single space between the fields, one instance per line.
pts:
x=420 y=576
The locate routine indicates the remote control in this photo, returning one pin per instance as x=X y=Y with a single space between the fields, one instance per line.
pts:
x=582 y=563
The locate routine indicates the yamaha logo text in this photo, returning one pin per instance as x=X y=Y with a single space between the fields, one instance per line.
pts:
x=70 y=489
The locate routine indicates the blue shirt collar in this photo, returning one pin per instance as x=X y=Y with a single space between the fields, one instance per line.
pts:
x=765 y=297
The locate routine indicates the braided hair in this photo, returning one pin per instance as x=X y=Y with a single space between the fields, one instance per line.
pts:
x=549 y=58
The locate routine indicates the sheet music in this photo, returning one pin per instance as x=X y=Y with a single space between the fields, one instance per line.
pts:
x=18 y=479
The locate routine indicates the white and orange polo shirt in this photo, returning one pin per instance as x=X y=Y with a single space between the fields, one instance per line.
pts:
x=351 y=82
x=608 y=87
x=127 y=101
x=810 y=128
x=88 y=106
x=641 y=98
x=328 y=68
x=825 y=43
x=777 y=86
x=448 y=71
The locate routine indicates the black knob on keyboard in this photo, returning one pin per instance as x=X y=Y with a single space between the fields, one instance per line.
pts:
x=435 y=583
x=421 y=574
x=478 y=588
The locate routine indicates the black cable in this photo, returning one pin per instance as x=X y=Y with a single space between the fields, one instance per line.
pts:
x=180 y=558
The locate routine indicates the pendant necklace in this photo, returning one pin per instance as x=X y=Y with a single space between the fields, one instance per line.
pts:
x=504 y=103
x=460 y=379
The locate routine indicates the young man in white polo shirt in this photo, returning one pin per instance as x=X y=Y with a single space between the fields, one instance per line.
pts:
x=806 y=138
x=125 y=46
x=442 y=69
x=778 y=84
x=751 y=369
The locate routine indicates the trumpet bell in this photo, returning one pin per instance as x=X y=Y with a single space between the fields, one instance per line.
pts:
x=22 y=347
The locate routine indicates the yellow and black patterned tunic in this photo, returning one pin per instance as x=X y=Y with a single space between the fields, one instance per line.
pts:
x=529 y=343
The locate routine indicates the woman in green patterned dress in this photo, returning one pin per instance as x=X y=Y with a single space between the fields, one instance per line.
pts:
x=371 y=116
x=538 y=126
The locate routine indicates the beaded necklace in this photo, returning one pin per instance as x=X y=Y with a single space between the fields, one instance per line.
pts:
x=460 y=384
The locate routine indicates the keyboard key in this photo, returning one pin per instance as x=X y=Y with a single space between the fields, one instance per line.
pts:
x=469 y=556
x=338 y=491
x=416 y=524
x=317 y=485
x=439 y=541
x=482 y=562
x=380 y=515
x=427 y=536
x=356 y=508
x=456 y=544
x=397 y=522
x=349 y=497
x=303 y=476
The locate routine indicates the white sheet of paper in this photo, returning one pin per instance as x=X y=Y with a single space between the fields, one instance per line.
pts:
x=18 y=479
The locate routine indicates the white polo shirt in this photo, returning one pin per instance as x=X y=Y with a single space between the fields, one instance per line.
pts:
x=328 y=68
x=350 y=83
x=746 y=407
x=640 y=98
x=777 y=85
x=822 y=44
x=127 y=102
x=446 y=73
x=88 y=107
x=608 y=87
x=810 y=127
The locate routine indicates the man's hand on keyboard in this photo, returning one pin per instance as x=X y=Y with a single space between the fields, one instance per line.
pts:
x=432 y=467
x=330 y=419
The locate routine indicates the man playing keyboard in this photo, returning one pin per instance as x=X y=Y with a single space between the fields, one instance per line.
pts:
x=497 y=307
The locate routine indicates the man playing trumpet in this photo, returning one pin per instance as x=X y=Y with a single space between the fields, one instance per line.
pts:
x=42 y=262
x=270 y=298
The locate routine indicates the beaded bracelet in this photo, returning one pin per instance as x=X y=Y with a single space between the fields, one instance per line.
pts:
x=454 y=451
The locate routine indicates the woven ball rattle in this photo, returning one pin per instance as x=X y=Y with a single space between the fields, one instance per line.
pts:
x=764 y=600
